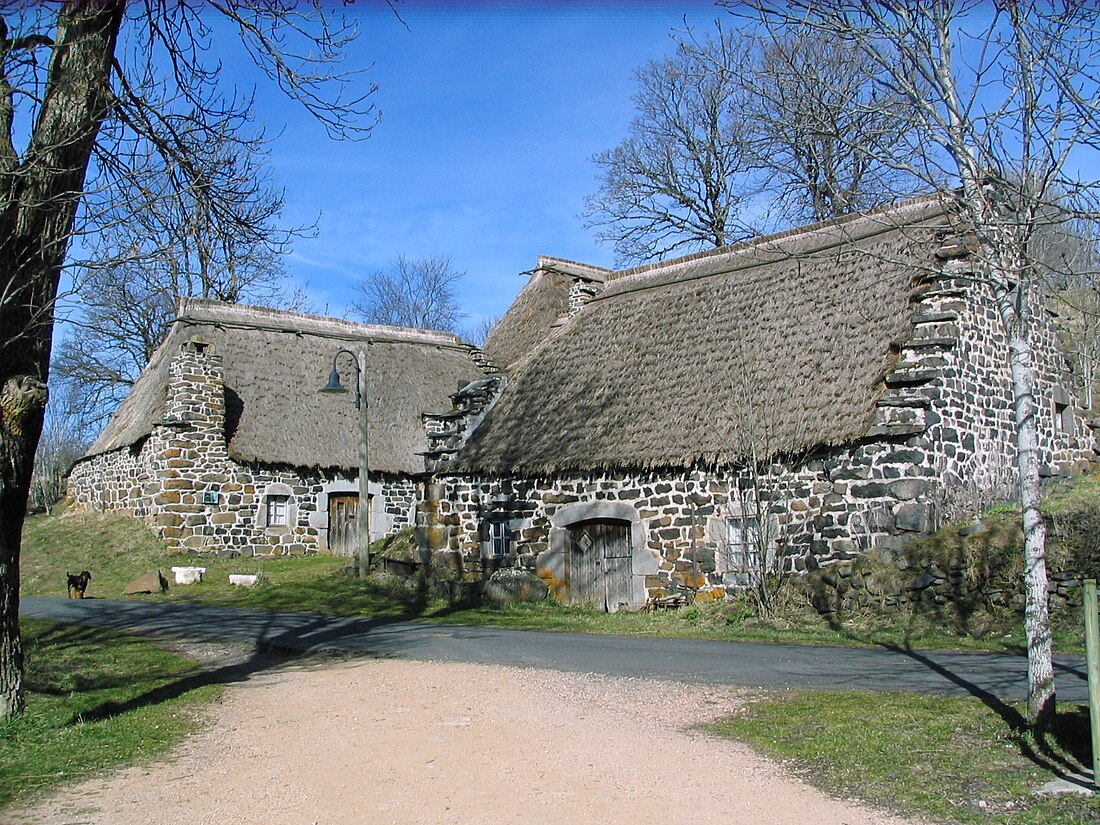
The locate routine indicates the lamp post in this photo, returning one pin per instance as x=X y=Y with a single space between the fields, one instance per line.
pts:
x=362 y=515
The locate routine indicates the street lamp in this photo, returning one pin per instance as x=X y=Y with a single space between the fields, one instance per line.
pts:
x=362 y=515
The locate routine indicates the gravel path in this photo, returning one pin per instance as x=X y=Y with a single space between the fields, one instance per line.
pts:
x=397 y=741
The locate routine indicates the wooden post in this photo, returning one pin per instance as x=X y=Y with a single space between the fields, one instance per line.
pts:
x=1092 y=658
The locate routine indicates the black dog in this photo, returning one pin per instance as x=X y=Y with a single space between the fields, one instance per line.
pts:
x=78 y=584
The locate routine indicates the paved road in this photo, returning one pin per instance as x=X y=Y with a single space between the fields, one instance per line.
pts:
x=769 y=666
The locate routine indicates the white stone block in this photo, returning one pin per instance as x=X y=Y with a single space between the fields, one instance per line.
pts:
x=188 y=575
x=243 y=580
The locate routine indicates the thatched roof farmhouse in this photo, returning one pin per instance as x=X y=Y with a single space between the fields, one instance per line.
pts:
x=785 y=403
x=247 y=378
x=807 y=396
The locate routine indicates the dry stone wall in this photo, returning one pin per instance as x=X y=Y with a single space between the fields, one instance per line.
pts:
x=182 y=481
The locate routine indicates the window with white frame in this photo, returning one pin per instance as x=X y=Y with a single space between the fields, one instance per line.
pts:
x=278 y=511
x=498 y=540
x=742 y=544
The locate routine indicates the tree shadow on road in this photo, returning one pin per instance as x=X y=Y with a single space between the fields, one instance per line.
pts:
x=1063 y=749
x=105 y=673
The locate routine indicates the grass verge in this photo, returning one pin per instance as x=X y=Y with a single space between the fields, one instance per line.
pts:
x=950 y=760
x=95 y=698
x=117 y=550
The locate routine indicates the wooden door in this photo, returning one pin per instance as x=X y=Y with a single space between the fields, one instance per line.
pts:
x=600 y=564
x=617 y=565
x=343 y=509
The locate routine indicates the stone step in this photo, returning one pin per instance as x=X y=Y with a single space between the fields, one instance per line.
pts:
x=911 y=377
x=930 y=343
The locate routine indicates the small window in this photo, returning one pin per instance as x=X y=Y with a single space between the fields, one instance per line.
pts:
x=498 y=540
x=277 y=511
x=1063 y=419
x=743 y=545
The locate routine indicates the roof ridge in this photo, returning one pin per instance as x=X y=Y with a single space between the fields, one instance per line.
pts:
x=246 y=316
x=553 y=263
x=831 y=234
x=912 y=204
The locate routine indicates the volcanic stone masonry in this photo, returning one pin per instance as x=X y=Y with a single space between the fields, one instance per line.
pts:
x=182 y=482
x=942 y=439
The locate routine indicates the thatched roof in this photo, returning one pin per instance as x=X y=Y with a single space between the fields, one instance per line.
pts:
x=275 y=362
x=541 y=304
x=783 y=343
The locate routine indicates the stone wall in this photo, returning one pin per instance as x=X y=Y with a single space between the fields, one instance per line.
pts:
x=971 y=433
x=941 y=443
x=826 y=510
x=182 y=482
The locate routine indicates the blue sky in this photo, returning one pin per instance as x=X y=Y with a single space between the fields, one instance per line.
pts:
x=491 y=113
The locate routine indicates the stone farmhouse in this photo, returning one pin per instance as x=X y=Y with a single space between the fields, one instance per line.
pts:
x=799 y=399
x=795 y=400
x=225 y=444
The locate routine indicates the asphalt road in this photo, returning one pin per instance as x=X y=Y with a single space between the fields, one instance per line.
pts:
x=771 y=666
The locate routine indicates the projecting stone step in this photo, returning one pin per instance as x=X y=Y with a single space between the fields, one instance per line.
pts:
x=911 y=377
x=923 y=293
x=904 y=401
x=896 y=429
x=446 y=416
x=935 y=317
x=930 y=343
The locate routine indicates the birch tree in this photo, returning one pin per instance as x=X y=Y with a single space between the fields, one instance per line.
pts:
x=1007 y=99
x=84 y=86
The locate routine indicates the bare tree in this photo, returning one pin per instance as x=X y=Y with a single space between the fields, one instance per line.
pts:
x=141 y=261
x=477 y=334
x=84 y=85
x=63 y=441
x=1007 y=96
x=416 y=292
x=754 y=553
x=1070 y=266
x=736 y=125
x=681 y=178
x=824 y=129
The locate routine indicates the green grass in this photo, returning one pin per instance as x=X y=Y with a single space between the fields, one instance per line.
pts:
x=95 y=699
x=920 y=755
x=117 y=550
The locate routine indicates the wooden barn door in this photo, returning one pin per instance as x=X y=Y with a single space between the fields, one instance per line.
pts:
x=342 y=511
x=600 y=564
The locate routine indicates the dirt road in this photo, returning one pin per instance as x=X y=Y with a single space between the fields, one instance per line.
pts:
x=395 y=741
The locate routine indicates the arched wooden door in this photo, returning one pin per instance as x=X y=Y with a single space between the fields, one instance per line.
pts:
x=600 y=564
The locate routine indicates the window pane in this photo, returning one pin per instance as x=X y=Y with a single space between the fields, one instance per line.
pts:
x=743 y=544
x=500 y=539
x=277 y=510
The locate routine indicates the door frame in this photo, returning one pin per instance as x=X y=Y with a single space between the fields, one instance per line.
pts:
x=644 y=562
x=381 y=524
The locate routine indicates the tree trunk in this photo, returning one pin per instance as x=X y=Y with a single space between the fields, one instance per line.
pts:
x=38 y=200
x=1040 y=662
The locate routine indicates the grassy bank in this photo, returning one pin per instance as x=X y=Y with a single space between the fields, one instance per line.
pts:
x=117 y=550
x=950 y=760
x=95 y=698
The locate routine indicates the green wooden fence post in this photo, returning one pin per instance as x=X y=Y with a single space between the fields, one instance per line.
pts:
x=1092 y=654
